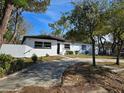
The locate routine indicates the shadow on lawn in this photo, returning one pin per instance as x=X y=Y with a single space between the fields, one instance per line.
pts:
x=97 y=76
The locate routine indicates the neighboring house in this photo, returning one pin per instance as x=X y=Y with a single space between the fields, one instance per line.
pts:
x=44 y=45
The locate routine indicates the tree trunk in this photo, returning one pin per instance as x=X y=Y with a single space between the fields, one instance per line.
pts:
x=93 y=51
x=113 y=44
x=99 y=47
x=113 y=48
x=119 y=47
x=13 y=37
x=15 y=28
x=3 y=26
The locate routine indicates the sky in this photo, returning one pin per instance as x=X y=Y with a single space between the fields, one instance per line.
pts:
x=39 y=21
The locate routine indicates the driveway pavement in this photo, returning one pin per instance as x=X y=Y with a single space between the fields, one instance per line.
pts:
x=98 y=60
x=40 y=74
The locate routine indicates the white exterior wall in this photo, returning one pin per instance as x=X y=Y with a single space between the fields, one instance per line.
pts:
x=75 y=47
x=13 y=50
x=40 y=52
x=78 y=47
x=27 y=50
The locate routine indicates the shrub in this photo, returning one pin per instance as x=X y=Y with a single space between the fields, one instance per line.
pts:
x=69 y=52
x=2 y=71
x=47 y=55
x=34 y=58
x=76 y=52
x=6 y=66
x=6 y=58
x=41 y=58
x=86 y=52
x=17 y=65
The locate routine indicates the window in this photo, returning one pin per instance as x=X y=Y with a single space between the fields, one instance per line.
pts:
x=67 y=46
x=38 y=44
x=83 y=47
x=47 y=45
x=43 y=45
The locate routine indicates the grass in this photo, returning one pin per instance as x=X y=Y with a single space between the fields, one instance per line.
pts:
x=89 y=56
x=51 y=58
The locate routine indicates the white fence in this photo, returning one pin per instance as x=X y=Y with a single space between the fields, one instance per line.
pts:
x=13 y=50
x=20 y=51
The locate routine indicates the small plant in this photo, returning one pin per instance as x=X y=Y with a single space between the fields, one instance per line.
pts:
x=6 y=58
x=41 y=58
x=34 y=58
x=76 y=52
x=86 y=52
x=19 y=64
x=2 y=71
x=5 y=63
x=69 y=52
x=47 y=55
x=6 y=66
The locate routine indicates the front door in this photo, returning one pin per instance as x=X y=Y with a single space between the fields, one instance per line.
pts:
x=58 y=48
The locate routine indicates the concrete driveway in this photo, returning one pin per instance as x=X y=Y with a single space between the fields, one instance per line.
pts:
x=40 y=74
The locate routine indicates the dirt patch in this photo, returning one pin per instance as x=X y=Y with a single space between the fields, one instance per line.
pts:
x=32 y=89
x=84 y=74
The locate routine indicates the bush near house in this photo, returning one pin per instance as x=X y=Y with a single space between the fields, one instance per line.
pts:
x=34 y=58
x=9 y=65
x=76 y=52
x=6 y=58
x=69 y=53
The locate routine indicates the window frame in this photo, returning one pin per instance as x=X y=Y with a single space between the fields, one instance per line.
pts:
x=65 y=46
x=42 y=45
x=84 y=48
x=47 y=43
x=35 y=45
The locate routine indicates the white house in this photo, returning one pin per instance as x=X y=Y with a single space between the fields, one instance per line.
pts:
x=44 y=45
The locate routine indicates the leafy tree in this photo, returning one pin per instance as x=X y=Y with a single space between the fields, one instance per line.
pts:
x=15 y=21
x=87 y=18
x=60 y=26
x=27 y=5
x=17 y=27
x=76 y=36
x=116 y=20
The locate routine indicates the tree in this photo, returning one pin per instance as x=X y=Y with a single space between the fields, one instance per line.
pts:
x=116 y=19
x=60 y=26
x=87 y=17
x=15 y=21
x=27 y=5
x=76 y=36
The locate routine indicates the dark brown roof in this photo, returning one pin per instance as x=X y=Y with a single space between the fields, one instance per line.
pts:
x=44 y=37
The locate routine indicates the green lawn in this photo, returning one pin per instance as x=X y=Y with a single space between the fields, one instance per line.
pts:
x=89 y=56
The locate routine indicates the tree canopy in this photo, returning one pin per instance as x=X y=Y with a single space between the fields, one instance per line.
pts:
x=8 y=6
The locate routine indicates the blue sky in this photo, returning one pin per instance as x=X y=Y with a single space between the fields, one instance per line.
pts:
x=40 y=21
